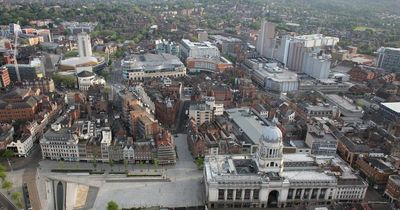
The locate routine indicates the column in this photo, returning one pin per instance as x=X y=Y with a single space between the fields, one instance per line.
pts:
x=302 y=194
x=234 y=194
x=225 y=194
x=251 y=194
x=319 y=192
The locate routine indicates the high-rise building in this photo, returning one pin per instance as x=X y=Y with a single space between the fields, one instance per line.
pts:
x=15 y=28
x=316 y=65
x=389 y=59
x=292 y=51
x=84 y=45
x=266 y=39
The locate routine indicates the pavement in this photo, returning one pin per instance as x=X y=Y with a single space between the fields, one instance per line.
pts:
x=184 y=189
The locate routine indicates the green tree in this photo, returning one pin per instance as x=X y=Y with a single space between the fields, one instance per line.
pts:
x=156 y=162
x=3 y=175
x=7 y=185
x=17 y=197
x=112 y=205
x=126 y=164
x=94 y=163
x=111 y=163
x=7 y=153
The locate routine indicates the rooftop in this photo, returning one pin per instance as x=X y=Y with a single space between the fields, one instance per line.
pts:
x=394 y=106
x=249 y=123
x=152 y=62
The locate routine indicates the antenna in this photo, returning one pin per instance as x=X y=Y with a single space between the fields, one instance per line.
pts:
x=15 y=55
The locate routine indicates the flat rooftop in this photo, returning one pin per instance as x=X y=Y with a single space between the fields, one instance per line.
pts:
x=307 y=176
x=342 y=102
x=394 y=106
x=251 y=125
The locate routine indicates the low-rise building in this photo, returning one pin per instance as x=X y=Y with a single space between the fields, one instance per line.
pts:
x=4 y=77
x=45 y=85
x=6 y=135
x=362 y=74
x=139 y=67
x=346 y=106
x=320 y=138
x=201 y=113
x=376 y=170
x=19 y=104
x=273 y=78
x=393 y=188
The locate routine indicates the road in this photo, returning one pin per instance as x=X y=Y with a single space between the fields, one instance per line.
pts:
x=6 y=203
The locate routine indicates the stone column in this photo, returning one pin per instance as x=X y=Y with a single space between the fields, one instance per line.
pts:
x=234 y=194
x=225 y=194
x=302 y=194
x=251 y=194
x=319 y=192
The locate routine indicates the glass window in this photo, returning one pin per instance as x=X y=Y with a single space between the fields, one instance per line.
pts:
x=221 y=194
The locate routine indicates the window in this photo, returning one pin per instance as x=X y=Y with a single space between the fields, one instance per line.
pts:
x=314 y=193
x=306 y=193
x=239 y=194
x=247 y=194
x=256 y=194
x=298 y=194
x=322 y=194
x=221 y=194
x=290 y=194
x=230 y=194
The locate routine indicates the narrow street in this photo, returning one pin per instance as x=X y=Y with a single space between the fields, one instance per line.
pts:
x=29 y=178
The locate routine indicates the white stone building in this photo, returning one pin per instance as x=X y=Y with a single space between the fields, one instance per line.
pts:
x=272 y=179
x=84 y=45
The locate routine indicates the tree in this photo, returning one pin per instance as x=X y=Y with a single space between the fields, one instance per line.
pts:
x=111 y=163
x=112 y=205
x=126 y=164
x=3 y=175
x=7 y=153
x=7 y=185
x=16 y=196
x=94 y=163
x=155 y=162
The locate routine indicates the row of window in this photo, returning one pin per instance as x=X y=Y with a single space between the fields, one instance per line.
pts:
x=238 y=194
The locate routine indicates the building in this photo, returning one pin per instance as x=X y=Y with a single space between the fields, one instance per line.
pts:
x=271 y=179
x=266 y=39
x=61 y=143
x=6 y=135
x=19 y=104
x=228 y=45
x=26 y=71
x=215 y=65
x=375 y=170
x=4 y=77
x=320 y=138
x=351 y=149
x=362 y=74
x=198 y=50
x=45 y=85
x=169 y=47
x=324 y=86
x=274 y=78
x=345 y=105
x=389 y=58
x=78 y=64
x=139 y=67
x=84 y=45
x=293 y=50
x=15 y=28
x=319 y=110
x=87 y=79
x=202 y=35
x=201 y=113
x=393 y=188
x=391 y=110
x=218 y=108
x=317 y=66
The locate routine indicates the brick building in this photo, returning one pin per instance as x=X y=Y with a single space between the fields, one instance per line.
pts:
x=393 y=188
x=361 y=74
x=4 y=77
x=19 y=104
x=376 y=170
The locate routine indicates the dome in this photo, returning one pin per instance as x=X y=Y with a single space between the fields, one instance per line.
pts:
x=272 y=134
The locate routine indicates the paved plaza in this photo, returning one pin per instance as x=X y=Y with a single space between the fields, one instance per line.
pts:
x=184 y=189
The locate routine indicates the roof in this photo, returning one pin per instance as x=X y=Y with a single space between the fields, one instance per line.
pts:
x=307 y=176
x=394 y=106
x=151 y=62
x=85 y=74
x=78 y=61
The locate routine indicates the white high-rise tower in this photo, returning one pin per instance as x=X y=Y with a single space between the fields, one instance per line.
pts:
x=266 y=39
x=84 y=45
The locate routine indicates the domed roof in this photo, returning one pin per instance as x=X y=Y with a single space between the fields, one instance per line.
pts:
x=86 y=74
x=272 y=134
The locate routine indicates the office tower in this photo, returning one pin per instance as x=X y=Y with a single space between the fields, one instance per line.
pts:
x=266 y=39
x=84 y=45
x=389 y=59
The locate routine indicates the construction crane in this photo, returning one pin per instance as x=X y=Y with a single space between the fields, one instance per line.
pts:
x=15 y=55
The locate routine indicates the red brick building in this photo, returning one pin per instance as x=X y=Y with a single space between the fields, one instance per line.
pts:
x=222 y=94
x=393 y=188
x=375 y=170
x=361 y=74
x=4 y=77
x=166 y=110
x=19 y=104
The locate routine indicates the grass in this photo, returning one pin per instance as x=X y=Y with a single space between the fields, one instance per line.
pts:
x=363 y=28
